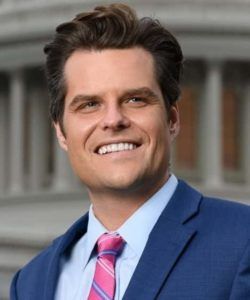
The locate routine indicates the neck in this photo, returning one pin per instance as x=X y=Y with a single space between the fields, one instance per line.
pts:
x=113 y=208
x=112 y=213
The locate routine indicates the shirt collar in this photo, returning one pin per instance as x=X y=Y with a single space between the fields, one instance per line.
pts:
x=143 y=220
x=135 y=231
x=94 y=231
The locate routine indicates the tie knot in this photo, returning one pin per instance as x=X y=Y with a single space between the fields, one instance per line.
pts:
x=110 y=244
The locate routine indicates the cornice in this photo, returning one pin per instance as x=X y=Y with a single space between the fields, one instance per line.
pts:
x=32 y=19
x=206 y=29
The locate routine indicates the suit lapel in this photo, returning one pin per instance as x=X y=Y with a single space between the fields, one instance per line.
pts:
x=167 y=241
x=67 y=241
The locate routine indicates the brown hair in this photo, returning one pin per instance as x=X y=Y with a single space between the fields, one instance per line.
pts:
x=114 y=26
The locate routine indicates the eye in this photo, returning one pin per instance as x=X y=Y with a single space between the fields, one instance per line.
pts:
x=88 y=105
x=135 y=100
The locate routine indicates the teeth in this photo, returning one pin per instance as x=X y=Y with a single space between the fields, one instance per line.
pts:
x=116 y=147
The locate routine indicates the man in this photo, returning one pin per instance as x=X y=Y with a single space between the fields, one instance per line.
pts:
x=114 y=83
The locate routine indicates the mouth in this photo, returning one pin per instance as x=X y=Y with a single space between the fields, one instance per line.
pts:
x=117 y=147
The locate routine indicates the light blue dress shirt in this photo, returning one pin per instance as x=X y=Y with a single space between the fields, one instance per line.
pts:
x=78 y=270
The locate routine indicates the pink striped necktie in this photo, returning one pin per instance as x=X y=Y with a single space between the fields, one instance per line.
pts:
x=109 y=246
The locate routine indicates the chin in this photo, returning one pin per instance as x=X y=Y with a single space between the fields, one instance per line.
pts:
x=121 y=185
x=114 y=180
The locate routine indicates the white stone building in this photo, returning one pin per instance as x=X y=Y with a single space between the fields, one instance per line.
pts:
x=39 y=195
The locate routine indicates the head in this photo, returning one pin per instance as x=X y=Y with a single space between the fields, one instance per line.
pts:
x=115 y=26
x=114 y=83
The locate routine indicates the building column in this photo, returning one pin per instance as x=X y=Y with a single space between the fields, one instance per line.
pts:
x=16 y=148
x=39 y=139
x=63 y=178
x=211 y=126
x=3 y=139
x=246 y=135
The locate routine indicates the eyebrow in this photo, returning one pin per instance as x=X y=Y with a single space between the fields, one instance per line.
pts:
x=143 y=91
x=82 y=98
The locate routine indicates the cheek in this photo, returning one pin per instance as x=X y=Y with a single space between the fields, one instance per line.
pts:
x=78 y=130
x=158 y=128
x=151 y=120
x=161 y=138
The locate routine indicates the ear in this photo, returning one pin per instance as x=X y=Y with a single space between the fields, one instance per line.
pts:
x=174 y=121
x=61 y=136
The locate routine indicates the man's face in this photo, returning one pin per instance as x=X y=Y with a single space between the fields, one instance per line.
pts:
x=117 y=130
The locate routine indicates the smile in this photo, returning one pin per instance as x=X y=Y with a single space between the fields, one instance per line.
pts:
x=116 y=148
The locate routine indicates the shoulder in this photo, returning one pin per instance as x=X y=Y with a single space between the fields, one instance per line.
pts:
x=43 y=258
x=218 y=207
x=225 y=209
x=41 y=261
x=30 y=281
x=32 y=278
x=225 y=218
x=215 y=214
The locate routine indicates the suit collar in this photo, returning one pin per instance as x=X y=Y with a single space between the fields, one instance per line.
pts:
x=62 y=246
x=165 y=245
x=184 y=204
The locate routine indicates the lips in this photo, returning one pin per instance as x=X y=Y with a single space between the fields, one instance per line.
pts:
x=116 y=147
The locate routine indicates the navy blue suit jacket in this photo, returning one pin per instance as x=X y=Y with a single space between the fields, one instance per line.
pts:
x=198 y=250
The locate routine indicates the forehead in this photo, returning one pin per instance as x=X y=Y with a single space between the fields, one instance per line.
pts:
x=110 y=69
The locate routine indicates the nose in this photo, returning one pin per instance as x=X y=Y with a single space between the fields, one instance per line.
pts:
x=114 y=118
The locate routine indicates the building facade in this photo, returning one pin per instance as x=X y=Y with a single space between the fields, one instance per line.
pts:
x=212 y=151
